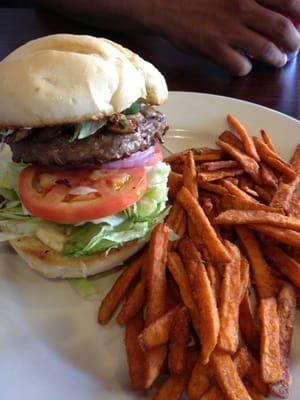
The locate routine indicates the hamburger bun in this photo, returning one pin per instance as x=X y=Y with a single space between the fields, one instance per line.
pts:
x=50 y=264
x=103 y=78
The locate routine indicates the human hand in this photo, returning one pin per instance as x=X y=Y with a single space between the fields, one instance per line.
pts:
x=220 y=28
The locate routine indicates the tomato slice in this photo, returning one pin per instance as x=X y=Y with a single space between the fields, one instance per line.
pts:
x=54 y=196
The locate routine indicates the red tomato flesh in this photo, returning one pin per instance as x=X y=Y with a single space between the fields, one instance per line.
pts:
x=46 y=194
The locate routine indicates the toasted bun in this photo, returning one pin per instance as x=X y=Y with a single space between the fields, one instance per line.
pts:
x=69 y=78
x=51 y=265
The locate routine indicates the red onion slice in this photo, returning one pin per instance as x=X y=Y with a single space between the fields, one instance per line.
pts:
x=82 y=190
x=137 y=159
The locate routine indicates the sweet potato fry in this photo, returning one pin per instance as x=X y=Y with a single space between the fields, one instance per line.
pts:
x=227 y=377
x=264 y=193
x=203 y=296
x=254 y=393
x=236 y=191
x=190 y=174
x=156 y=295
x=215 y=279
x=200 y=380
x=229 y=302
x=213 y=393
x=254 y=376
x=294 y=207
x=174 y=214
x=249 y=191
x=206 y=154
x=179 y=338
x=174 y=386
x=249 y=164
x=287 y=265
x=270 y=362
x=233 y=202
x=134 y=303
x=244 y=277
x=283 y=196
x=242 y=361
x=209 y=176
x=286 y=311
x=287 y=236
x=267 y=140
x=248 y=325
x=158 y=332
x=178 y=272
x=174 y=184
x=207 y=206
x=214 y=246
x=136 y=357
x=265 y=282
x=175 y=157
x=212 y=187
x=245 y=137
x=241 y=217
x=179 y=227
x=217 y=165
x=230 y=138
x=268 y=177
x=273 y=159
x=117 y=293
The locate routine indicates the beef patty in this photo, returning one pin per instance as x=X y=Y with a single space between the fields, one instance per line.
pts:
x=50 y=146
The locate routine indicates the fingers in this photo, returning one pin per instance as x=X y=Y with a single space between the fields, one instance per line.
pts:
x=231 y=59
x=261 y=48
x=276 y=27
x=288 y=7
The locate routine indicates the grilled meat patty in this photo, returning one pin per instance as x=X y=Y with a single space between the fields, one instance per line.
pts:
x=50 y=146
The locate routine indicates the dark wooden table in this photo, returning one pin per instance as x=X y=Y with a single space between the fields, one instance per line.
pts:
x=277 y=89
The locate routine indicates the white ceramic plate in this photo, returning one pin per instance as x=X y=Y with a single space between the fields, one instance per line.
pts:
x=50 y=344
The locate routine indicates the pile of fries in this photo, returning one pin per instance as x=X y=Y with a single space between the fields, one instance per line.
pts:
x=190 y=317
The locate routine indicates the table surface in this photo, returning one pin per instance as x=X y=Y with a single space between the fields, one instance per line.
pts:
x=277 y=89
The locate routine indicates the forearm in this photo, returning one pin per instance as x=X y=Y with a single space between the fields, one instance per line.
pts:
x=119 y=15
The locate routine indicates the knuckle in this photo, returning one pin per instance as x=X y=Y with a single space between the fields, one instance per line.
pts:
x=266 y=50
x=242 y=6
x=283 y=27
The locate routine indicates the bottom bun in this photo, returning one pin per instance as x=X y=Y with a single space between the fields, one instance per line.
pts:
x=52 y=265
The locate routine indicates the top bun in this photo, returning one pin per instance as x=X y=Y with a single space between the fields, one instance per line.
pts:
x=65 y=78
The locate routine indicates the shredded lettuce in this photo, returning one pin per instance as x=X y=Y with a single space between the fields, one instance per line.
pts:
x=9 y=175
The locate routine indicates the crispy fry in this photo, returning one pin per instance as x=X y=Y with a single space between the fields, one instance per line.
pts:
x=265 y=282
x=213 y=393
x=209 y=176
x=174 y=184
x=178 y=272
x=267 y=140
x=249 y=164
x=273 y=159
x=135 y=356
x=206 y=154
x=174 y=386
x=229 y=302
x=242 y=361
x=254 y=376
x=227 y=377
x=118 y=291
x=294 y=207
x=199 y=381
x=268 y=177
x=217 y=165
x=233 y=202
x=270 y=361
x=179 y=339
x=207 y=206
x=156 y=295
x=248 y=325
x=286 y=310
x=212 y=187
x=215 y=279
x=175 y=157
x=264 y=193
x=158 y=332
x=283 y=196
x=203 y=226
x=203 y=297
x=190 y=174
x=179 y=226
x=174 y=214
x=134 y=303
x=287 y=236
x=241 y=217
x=236 y=191
x=287 y=265
x=250 y=191
x=245 y=137
x=230 y=138
x=245 y=278
x=254 y=393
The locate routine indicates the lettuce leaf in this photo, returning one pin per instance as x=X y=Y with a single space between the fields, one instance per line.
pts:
x=9 y=175
x=84 y=288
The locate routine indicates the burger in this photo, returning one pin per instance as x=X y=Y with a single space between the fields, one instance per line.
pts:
x=87 y=181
